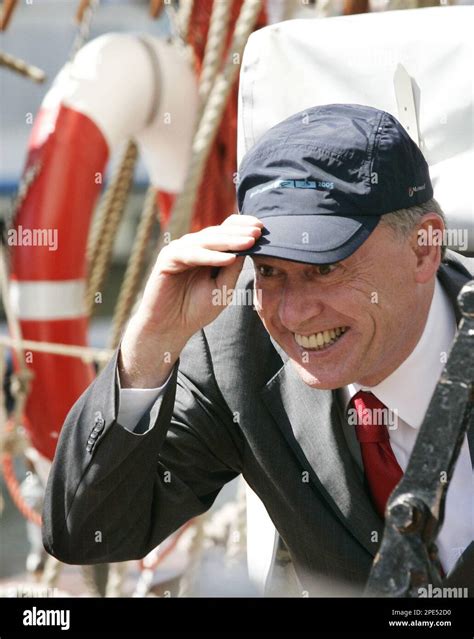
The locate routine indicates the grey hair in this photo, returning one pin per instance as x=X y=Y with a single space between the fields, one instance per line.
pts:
x=404 y=221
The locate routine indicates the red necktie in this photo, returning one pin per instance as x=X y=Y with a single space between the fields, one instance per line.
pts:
x=380 y=465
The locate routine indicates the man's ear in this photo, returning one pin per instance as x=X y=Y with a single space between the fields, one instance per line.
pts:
x=426 y=244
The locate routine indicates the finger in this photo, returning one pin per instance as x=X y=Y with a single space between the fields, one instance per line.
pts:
x=198 y=256
x=242 y=220
x=227 y=243
x=222 y=231
x=219 y=237
x=221 y=234
x=235 y=229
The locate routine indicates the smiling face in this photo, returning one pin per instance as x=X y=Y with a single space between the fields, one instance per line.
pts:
x=354 y=321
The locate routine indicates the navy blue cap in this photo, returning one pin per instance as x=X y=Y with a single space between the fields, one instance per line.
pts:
x=321 y=180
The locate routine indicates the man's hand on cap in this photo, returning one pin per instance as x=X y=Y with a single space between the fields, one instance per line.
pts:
x=179 y=297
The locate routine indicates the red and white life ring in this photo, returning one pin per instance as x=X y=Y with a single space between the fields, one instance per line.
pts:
x=118 y=87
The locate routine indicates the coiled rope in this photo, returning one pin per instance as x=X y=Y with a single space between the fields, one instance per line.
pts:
x=106 y=224
x=182 y=212
x=216 y=37
x=132 y=280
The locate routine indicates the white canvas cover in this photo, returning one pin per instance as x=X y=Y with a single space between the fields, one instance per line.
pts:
x=294 y=65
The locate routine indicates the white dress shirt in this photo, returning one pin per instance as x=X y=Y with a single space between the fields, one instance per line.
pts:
x=407 y=391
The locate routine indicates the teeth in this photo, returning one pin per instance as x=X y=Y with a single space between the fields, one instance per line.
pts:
x=318 y=340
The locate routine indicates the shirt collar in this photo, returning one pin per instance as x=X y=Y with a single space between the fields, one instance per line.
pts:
x=409 y=389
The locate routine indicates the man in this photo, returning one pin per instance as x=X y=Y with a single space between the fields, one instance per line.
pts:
x=355 y=314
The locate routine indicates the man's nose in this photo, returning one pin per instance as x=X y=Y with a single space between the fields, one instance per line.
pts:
x=298 y=305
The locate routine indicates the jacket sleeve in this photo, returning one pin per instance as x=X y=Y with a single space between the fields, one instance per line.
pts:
x=113 y=494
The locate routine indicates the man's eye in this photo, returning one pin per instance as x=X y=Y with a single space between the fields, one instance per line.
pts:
x=325 y=269
x=265 y=271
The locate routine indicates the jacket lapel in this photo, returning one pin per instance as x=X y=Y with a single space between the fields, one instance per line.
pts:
x=312 y=425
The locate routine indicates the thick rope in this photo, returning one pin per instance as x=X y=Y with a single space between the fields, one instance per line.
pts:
x=209 y=123
x=166 y=548
x=7 y=10
x=51 y=572
x=87 y=354
x=216 y=38
x=3 y=407
x=184 y=17
x=26 y=182
x=81 y=9
x=95 y=578
x=179 y=22
x=116 y=579
x=156 y=7
x=22 y=379
x=237 y=540
x=23 y=68
x=132 y=280
x=104 y=230
x=12 y=443
x=188 y=585
x=84 y=17
x=150 y=563
x=14 y=489
x=13 y=439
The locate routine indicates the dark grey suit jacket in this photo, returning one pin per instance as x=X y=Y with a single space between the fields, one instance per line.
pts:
x=235 y=406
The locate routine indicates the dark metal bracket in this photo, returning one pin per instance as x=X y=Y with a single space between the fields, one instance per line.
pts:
x=408 y=558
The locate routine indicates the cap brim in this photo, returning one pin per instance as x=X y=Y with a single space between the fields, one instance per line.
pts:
x=313 y=239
